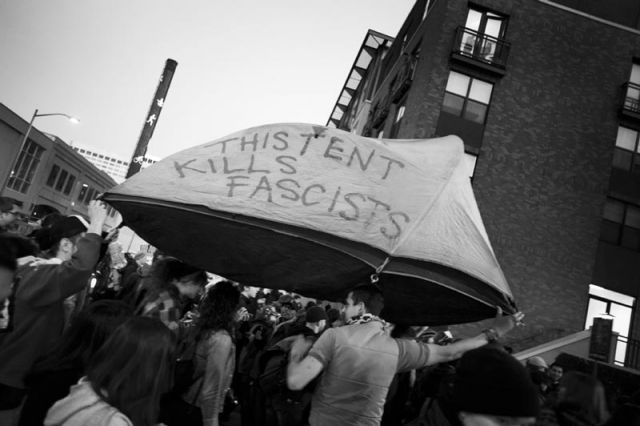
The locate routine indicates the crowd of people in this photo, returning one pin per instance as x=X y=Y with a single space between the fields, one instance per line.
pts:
x=91 y=336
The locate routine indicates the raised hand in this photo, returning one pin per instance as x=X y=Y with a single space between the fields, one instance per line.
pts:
x=505 y=323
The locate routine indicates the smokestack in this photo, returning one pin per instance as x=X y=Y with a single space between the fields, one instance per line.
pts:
x=152 y=117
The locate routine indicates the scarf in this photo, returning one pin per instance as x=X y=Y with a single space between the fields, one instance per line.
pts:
x=365 y=318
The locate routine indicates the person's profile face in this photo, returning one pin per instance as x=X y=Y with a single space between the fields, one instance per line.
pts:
x=349 y=310
x=8 y=217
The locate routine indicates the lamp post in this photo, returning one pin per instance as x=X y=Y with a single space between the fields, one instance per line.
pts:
x=26 y=137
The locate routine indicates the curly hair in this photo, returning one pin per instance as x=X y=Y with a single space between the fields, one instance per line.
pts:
x=218 y=307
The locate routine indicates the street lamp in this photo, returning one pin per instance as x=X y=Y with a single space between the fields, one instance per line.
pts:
x=26 y=137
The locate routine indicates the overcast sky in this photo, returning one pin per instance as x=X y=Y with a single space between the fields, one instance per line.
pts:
x=240 y=64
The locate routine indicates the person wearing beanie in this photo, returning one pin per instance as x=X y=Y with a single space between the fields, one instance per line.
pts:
x=492 y=388
x=537 y=363
x=38 y=311
x=291 y=408
x=360 y=359
x=316 y=319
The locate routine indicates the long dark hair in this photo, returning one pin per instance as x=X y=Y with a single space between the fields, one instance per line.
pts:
x=134 y=368
x=86 y=334
x=218 y=308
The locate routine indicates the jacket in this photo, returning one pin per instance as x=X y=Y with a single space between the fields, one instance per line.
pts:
x=215 y=361
x=83 y=407
x=38 y=318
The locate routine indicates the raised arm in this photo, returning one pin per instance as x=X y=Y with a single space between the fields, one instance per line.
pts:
x=501 y=326
x=59 y=281
x=301 y=369
x=72 y=276
x=417 y=355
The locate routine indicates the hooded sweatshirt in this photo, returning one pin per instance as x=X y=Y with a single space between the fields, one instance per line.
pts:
x=38 y=318
x=83 y=407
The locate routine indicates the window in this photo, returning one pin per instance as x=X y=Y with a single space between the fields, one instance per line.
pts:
x=484 y=28
x=467 y=97
x=400 y=108
x=621 y=224
x=616 y=306
x=469 y=161
x=69 y=186
x=61 y=180
x=83 y=192
x=90 y=195
x=51 y=180
x=626 y=155
x=632 y=97
x=25 y=168
x=486 y=22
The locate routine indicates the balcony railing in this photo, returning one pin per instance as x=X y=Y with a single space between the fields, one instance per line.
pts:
x=631 y=348
x=631 y=100
x=481 y=47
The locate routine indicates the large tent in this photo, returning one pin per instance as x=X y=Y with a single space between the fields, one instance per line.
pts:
x=316 y=211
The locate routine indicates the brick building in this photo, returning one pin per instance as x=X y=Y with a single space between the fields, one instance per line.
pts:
x=545 y=95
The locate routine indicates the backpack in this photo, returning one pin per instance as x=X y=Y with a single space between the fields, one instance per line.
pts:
x=185 y=367
x=272 y=377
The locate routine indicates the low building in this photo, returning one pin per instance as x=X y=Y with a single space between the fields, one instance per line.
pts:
x=45 y=174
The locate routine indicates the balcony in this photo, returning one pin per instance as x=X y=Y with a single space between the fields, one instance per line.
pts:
x=631 y=100
x=480 y=50
x=631 y=350
x=403 y=79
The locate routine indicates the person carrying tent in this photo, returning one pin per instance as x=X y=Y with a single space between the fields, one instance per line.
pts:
x=360 y=359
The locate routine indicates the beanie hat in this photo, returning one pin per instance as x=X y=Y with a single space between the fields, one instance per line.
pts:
x=315 y=314
x=537 y=361
x=490 y=381
x=68 y=227
x=57 y=228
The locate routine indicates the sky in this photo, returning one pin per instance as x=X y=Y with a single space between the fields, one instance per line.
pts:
x=240 y=64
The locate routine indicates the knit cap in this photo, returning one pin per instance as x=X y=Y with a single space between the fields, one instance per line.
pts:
x=490 y=381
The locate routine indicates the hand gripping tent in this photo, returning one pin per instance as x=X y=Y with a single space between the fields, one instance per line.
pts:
x=317 y=211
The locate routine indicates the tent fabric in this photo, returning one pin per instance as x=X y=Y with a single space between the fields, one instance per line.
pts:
x=313 y=210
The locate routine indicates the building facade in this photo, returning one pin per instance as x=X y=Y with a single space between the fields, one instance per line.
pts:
x=46 y=175
x=545 y=95
x=114 y=166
